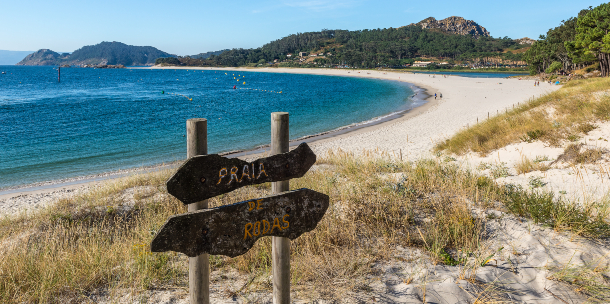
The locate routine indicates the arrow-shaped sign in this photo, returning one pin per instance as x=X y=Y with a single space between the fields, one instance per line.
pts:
x=206 y=176
x=232 y=230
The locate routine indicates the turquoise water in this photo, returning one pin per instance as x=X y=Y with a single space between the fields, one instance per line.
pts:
x=101 y=120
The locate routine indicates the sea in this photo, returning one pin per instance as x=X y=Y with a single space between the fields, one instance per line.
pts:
x=102 y=120
x=96 y=121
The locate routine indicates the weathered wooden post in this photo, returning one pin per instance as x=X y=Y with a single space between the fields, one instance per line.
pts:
x=199 y=268
x=231 y=230
x=280 y=245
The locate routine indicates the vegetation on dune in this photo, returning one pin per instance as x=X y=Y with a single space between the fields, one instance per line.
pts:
x=563 y=115
x=99 y=241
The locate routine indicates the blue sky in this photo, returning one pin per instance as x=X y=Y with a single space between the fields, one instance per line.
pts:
x=190 y=27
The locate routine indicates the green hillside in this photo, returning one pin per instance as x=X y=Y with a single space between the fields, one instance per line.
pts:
x=105 y=53
x=390 y=47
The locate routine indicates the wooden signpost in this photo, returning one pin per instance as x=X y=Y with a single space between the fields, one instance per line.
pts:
x=207 y=176
x=231 y=230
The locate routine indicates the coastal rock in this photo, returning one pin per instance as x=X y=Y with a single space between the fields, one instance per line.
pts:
x=525 y=40
x=454 y=25
x=110 y=66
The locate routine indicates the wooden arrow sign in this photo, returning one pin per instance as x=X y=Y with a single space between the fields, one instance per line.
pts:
x=206 y=176
x=232 y=230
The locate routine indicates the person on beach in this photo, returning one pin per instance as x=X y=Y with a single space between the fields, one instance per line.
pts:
x=441 y=95
x=434 y=95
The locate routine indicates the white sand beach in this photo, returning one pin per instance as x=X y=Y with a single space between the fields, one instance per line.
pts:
x=525 y=253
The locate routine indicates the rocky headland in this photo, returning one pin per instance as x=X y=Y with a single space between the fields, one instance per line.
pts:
x=454 y=25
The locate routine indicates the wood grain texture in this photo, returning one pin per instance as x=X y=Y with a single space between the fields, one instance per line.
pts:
x=232 y=230
x=206 y=176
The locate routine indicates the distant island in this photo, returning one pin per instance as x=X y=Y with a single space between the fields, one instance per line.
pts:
x=102 y=54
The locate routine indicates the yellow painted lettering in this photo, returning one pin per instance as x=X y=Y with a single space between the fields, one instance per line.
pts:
x=285 y=222
x=266 y=227
x=221 y=174
x=257 y=226
x=247 y=230
x=276 y=223
x=251 y=204
x=233 y=175
x=258 y=204
x=261 y=170
x=246 y=173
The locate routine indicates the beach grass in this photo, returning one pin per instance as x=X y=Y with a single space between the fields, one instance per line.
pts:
x=561 y=116
x=99 y=241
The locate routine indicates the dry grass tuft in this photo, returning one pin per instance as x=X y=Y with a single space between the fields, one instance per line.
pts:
x=591 y=280
x=580 y=154
x=554 y=118
x=526 y=165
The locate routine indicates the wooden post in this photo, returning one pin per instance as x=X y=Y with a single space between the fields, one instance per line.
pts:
x=58 y=74
x=199 y=266
x=280 y=245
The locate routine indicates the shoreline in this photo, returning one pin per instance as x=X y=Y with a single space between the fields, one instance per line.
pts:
x=344 y=131
x=411 y=133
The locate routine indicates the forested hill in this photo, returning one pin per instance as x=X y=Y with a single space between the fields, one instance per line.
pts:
x=208 y=54
x=369 y=48
x=581 y=42
x=105 y=53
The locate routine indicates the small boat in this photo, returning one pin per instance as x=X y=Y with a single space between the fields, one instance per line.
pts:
x=3 y=72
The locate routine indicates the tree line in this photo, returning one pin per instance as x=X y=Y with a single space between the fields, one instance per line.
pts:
x=576 y=43
x=369 y=48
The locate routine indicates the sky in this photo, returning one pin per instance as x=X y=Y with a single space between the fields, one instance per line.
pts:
x=188 y=27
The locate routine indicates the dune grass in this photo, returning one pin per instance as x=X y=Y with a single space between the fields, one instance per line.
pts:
x=563 y=115
x=100 y=240
x=526 y=165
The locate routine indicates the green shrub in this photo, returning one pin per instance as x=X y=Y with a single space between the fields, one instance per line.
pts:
x=554 y=67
